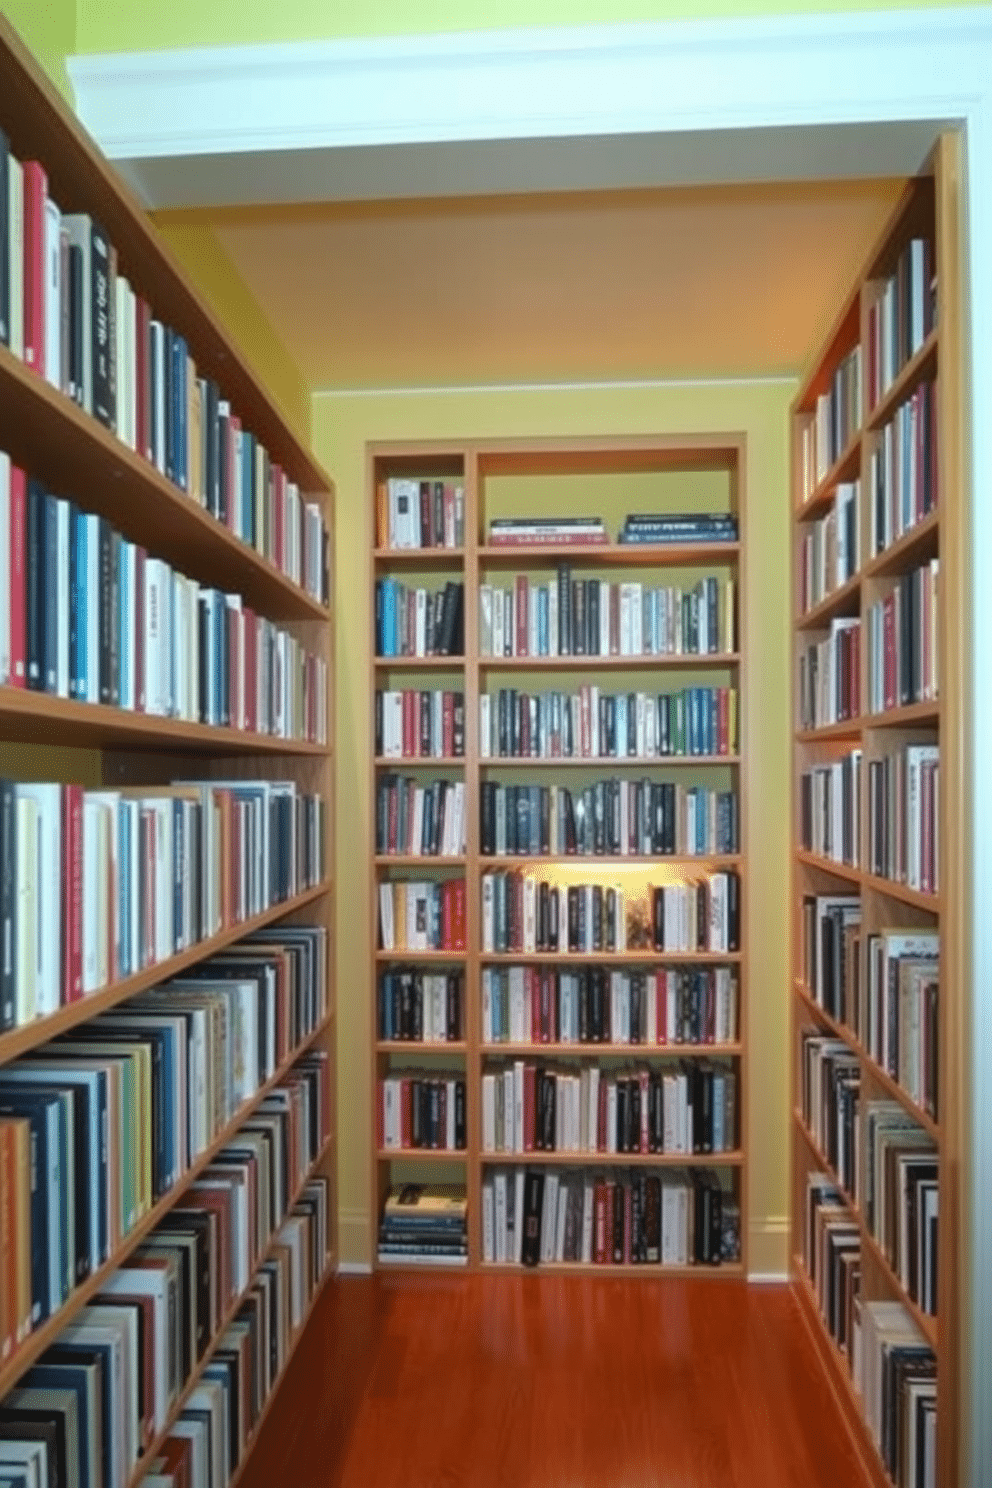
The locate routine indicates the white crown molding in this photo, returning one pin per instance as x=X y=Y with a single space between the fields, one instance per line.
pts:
x=530 y=109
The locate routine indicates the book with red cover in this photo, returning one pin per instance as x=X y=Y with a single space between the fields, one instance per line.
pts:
x=18 y=577
x=35 y=196
x=72 y=882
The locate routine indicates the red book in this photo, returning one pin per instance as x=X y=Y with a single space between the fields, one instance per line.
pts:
x=459 y=915
x=447 y=917
x=722 y=743
x=411 y=734
x=18 y=571
x=520 y=612
x=611 y=1199
x=448 y=725
x=35 y=196
x=889 y=651
x=530 y=1105
x=628 y=1221
x=504 y=539
x=72 y=892
x=614 y=619
x=143 y=378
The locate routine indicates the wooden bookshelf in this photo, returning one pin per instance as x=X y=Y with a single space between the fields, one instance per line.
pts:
x=930 y=210
x=500 y=478
x=54 y=439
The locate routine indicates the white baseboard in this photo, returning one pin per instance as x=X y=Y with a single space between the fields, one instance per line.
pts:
x=354 y=1268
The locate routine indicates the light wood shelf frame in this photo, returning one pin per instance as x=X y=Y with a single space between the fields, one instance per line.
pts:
x=470 y=463
x=931 y=205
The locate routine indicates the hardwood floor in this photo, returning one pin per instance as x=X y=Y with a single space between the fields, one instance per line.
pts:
x=523 y=1381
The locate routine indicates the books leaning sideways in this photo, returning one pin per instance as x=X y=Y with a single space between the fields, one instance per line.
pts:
x=424 y=1224
x=679 y=527
x=548 y=532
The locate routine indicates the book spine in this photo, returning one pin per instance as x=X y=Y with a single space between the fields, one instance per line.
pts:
x=8 y=904
x=35 y=195
x=18 y=577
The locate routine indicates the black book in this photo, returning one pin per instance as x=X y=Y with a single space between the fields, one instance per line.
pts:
x=76 y=312
x=8 y=903
x=733 y=911
x=4 y=239
x=35 y=636
x=533 y=1202
x=461 y=1138
x=619 y=1218
x=592 y=618
x=554 y=929
x=658 y=918
x=104 y=407
x=564 y=611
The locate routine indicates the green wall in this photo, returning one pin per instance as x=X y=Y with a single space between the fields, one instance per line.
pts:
x=49 y=29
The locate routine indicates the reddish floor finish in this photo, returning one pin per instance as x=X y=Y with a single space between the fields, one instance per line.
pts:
x=534 y=1382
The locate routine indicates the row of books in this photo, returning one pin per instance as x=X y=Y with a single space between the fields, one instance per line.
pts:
x=624 y=818
x=830 y=677
x=421 y=1007
x=424 y=1224
x=102 y=1123
x=832 y=1258
x=413 y=621
x=421 y=1109
x=834 y=422
x=98 y=885
x=831 y=1088
x=830 y=548
x=418 y=819
x=901 y=642
x=895 y=1373
x=897 y=1011
x=415 y=723
x=900 y=1202
x=905 y=478
x=425 y=513
x=831 y=939
x=106 y=1390
x=69 y=313
x=207 y=1443
x=524 y=914
x=903 y=816
x=555 y=532
x=601 y=617
x=662 y=1006
x=422 y=916
x=830 y=809
x=592 y=724
x=88 y=615
x=674 y=1217
x=901 y=318
x=527 y=1107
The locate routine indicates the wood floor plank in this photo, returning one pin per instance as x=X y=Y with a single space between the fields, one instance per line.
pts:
x=529 y=1382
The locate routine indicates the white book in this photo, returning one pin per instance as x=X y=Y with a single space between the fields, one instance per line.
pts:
x=15 y=222
x=499 y=1216
x=553 y=623
x=488 y=917
x=588 y=1208
x=509 y=1107
x=488 y=1222
x=549 y=1217
x=160 y=1285
x=48 y=893
x=518 y=1215
x=27 y=915
x=5 y=568
x=53 y=293
x=485 y=620
x=561 y=1216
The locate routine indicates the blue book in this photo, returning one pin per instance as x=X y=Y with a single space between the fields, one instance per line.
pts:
x=123 y=623
x=42 y=1111
x=178 y=929
x=73 y=602
x=389 y=617
x=82 y=603
x=543 y=622
x=49 y=1062
x=51 y=581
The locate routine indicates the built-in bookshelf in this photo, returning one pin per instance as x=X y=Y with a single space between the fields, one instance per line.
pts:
x=559 y=865
x=166 y=874
x=878 y=515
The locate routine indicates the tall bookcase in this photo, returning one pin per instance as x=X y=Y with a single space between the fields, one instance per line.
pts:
x=878 y=862
x=53 y=439
x=496 y=481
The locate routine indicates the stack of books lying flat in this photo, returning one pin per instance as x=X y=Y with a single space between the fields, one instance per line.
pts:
x=424 y=1224
x=550 y=532
x=679 y=527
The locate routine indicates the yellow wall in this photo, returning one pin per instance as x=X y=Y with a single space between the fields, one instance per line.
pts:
x=341 y=426
x=49 y=29
x=122 y=25
x=217 y=279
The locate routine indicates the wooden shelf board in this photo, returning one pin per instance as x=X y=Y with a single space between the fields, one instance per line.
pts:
x=824 y=1162
x=419 y=1047
x=908 y=716
x=893 y=890
x=418 y=860
x=703 y=861
x=40 y=1339
x=623 y=1051
x=420 y=663
x=892 y=1086
x=447 y=958
x=396 y=763
x=827 y=865
x=845 y=467
x=598 y=958
x=845 y=600
x=611 y=555
x=158 y=1442
x=614 y=1159
x=76 y=456
x=914 y=546
x=30 y=717
x=681 y=661
x=424 y=1154
x=419 y=557
x=920 y=368
x=40 y=1030
x=624 y=761
x=850 y=728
